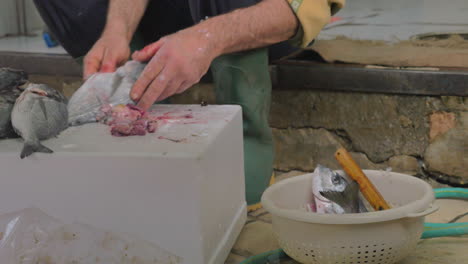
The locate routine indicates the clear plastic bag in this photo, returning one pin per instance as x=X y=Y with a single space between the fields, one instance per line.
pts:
x=32 y=237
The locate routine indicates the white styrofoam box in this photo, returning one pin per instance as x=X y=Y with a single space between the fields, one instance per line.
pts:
x=188 y=196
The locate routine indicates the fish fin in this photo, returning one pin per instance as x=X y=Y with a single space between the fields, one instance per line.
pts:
x=99 y=100
x=43 y=108
x=347 y=199
x=30 y=148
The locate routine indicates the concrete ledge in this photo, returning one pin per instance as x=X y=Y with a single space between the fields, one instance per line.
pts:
x=295 y=74
x=41 y=64
x=308 y=75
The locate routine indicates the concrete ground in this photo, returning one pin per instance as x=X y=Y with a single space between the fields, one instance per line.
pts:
x=257 y=237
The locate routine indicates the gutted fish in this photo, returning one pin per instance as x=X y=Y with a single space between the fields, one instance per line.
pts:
x=103 y=90
x=40 y=112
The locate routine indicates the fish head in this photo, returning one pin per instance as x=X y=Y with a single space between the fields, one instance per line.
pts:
x=12 y=78
x=333 y=192
x=43 y=90
x=329 y=179
x=338 y=180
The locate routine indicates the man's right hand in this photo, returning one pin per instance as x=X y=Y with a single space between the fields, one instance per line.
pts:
x=109 y=52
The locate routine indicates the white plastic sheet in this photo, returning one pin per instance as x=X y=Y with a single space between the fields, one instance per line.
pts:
x=30 y=236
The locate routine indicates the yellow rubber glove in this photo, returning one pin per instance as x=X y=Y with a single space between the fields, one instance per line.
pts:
x=313 y=16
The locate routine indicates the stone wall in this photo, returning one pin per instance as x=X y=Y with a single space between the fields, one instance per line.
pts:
x=381 y=131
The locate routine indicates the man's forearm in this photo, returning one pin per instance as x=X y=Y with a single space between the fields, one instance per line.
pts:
x=266 y=23
x=124 y=16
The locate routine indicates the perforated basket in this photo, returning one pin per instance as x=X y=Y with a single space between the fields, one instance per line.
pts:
x=383 y=237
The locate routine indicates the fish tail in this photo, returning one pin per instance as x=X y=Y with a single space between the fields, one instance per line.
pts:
x=32 y=147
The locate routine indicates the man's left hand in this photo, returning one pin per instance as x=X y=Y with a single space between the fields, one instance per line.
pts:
x=176 y=62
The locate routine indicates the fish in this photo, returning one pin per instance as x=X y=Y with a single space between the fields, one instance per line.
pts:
x=12 y=78
x=40 y=113
x=10 y=81
x=335 y=193
x=7 y=101
x=103 y=90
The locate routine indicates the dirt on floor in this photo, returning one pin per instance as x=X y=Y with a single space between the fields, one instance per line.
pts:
x=427 y=52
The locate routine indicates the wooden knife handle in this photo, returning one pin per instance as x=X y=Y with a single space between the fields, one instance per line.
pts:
x=367 y=188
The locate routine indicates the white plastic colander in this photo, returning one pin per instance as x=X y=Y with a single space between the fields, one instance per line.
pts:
x=382 y=237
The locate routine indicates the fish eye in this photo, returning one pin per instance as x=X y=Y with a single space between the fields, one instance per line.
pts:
x=336 y=178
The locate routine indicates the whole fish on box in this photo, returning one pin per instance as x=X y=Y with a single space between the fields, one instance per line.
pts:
x=103 y=90
x=40 y=112
x=334 y=193
x=10 y=80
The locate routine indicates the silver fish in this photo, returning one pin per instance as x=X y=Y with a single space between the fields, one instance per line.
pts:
x=10 y=80
x=40 y=112
x=335 y=193
x=103 y=90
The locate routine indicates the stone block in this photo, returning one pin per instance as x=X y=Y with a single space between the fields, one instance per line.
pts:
x=448 y=152
x=455 y=103
x=303 y=149
x=441 y=122
x=404 y=164
x=379 y=125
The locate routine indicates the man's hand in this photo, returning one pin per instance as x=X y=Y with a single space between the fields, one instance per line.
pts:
x=176 y=62
x=108 y=53
x=112 y=49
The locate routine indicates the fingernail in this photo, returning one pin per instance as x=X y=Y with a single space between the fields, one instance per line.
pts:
x=134 y=96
